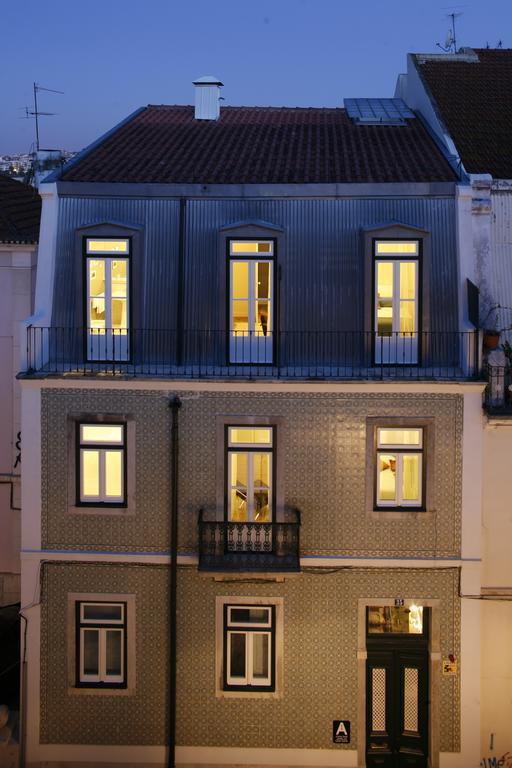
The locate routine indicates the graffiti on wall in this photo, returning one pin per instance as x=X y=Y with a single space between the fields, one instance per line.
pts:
x=505 y=761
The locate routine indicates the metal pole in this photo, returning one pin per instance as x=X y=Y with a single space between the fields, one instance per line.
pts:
x=174 y=405
x=36 y=113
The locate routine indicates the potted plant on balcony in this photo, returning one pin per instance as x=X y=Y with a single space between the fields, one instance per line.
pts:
x=491 y=330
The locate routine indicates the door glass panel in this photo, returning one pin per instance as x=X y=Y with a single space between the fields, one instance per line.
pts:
x=240 y=320
x=408 y=280
x=97 y=314
x=262 y=280
x=262 y=318
x=238 y=508
x=119 y=277
x=411 y=477
x=385 y=279
x=407 y=317
x=261 y=507
x=119 y=315
x=411 y=699
x=114 y=474
x=240 y=287
x=378 y=700
x=91 y=651
x=387 y=477
x=260 y=655
x=237 y=652
x=113 y=651
x=90 y=473
x=96 y=277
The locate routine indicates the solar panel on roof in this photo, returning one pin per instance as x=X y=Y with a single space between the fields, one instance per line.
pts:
x=378 y=111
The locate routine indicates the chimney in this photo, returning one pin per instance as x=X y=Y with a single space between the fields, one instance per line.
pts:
x=207 y=98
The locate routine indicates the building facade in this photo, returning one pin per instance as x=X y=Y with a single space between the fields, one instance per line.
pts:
x=246 y=368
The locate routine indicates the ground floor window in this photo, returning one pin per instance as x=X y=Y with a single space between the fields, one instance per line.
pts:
x=101 y=644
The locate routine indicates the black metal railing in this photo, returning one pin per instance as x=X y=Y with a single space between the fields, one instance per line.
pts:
x=229 y=546
x=287 y=354
x=498 y=397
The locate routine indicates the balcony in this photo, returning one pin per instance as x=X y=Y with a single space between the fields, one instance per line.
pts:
x=341 y=355
x=242 y=547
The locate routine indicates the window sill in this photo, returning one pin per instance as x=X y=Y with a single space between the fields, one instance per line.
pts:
x=387 y=513
x=101 y=509
x=248 y=694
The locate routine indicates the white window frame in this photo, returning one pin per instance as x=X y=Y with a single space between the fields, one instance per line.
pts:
x=107 y=343
x=399 y=347
x=250 y=449
x=399 y=450
x=251 y=346
x=228 y=686
x=101 y=448
x=101 y=627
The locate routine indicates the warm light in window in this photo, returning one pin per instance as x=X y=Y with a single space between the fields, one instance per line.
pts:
x=101 y=433
x=248 y=246
x=399 y=247
x=250 y=436
x=108 y=246
x=400 y=437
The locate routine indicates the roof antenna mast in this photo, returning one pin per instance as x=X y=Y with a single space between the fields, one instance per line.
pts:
x=35 y=112
x=450 y=45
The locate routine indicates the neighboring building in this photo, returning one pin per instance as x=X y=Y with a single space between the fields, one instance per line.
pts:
x=465 y=98
x=20 y=208
x=291 y=275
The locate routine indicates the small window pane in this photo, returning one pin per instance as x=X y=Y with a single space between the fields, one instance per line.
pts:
x=114 y=474
x=260 y=655
x=114 y=640
x=249 y=615
x=96 y=277
x=238 y=508
x=387 y=477
x=262 y=470
x=250 y=435
x=119 y=277
x=262 y=309
x=398 y=247
x=411 y=477
x=101 y=612
x=101 y=433
x=240 y=324
x=90 y=473
x=237 y=654
x=90 y=638
x=262 y=512
x=240 y=287
x=108 y=246
x=239 y=470
x=389 y=619
x=263 y=280
x=248 y=246
x=385 y=279
x=97 y=314
x=399 y=437
x=407 y=317
x=408 y=280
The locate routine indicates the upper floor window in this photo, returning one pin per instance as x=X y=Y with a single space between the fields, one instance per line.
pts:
x=249 y=474
x=251 y=301
x=107 y=301
x=399 y=467
x=102 y=449
x=396 y=280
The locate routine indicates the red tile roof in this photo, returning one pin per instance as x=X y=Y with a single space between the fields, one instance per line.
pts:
x=474 y=100
x=260 y=145
x=20 y=212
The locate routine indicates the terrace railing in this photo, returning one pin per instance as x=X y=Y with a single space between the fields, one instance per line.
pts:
x=284 y=355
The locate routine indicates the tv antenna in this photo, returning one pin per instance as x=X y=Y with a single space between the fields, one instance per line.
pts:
x=36 y=112
x=450 y=45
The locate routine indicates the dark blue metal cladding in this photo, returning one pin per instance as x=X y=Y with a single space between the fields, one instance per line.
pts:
x=321 y=258
x=159 y=220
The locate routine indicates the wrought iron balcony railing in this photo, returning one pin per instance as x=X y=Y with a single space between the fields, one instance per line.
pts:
x=228 y=546
x=284 y=354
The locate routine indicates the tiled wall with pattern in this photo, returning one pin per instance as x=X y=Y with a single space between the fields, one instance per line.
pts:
x=324 y=469
x=320 y=658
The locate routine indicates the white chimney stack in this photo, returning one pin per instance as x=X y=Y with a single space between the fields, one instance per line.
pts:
x=207 y=98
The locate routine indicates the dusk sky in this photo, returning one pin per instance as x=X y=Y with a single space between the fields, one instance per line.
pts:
x=112 y=56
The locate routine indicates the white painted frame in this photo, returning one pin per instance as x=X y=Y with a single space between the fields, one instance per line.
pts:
x=250 y=346
x=398 y=348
